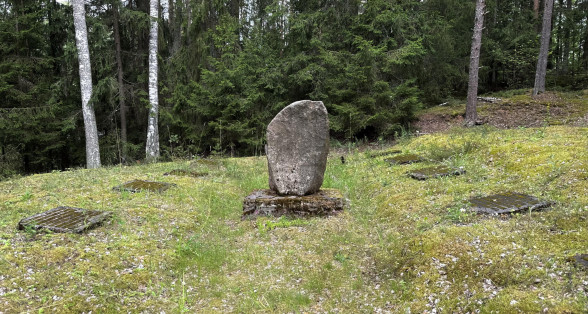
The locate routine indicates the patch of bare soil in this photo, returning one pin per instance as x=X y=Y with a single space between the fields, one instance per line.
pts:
x=545 y=109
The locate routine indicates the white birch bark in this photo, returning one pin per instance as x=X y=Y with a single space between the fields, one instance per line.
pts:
x=92 y=148
x=544 y=50
x=471 y=111
x=152 y=146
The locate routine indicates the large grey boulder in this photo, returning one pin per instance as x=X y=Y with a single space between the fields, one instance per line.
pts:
x=297 y=148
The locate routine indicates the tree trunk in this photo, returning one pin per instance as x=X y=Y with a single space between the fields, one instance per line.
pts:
x=121 y=90
x=152 y=147
x=471 y=112
x=544 y=50
x=536 y=8
x=92 y=148
x=565 y=58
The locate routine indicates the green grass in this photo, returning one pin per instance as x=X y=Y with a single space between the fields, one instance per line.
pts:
x=402 y=244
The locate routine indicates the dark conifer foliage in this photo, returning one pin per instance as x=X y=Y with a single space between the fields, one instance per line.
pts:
x=226 y=67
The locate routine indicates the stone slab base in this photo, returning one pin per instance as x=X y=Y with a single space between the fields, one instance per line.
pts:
x=268 y=203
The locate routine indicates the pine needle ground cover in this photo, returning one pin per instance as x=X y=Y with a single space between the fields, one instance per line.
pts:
x=401 y=245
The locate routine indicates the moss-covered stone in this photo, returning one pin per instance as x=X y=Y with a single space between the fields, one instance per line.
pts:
x=404 y=159
x=140 y=185
x=507 y=203
x=64 y=219
x=435 y=172
x=186 y=173
x=383 y=153
x=268 y=203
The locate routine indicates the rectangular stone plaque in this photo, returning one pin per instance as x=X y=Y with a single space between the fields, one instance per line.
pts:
x=404 y=159
x=507 y=203
x=268 y=203
x=64 y=219
x=182 y=172
x=140 y=185
x=435 y=172
x=383 y=153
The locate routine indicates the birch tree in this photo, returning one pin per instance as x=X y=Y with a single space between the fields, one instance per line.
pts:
x=471 y=112
x=152 y=147
x=92 y=148
x=544 y=50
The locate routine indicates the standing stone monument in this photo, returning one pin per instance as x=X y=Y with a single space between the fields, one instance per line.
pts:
x=297 y=150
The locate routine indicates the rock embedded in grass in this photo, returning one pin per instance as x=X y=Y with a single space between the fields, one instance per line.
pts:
x=141 y=185
x=297 y=148
x=188 y=173
x=383 y=153
x=435 y=172
x=507 y=203
x=581 y=260
x=64 y=219
x=404 y=159
x=325 y=202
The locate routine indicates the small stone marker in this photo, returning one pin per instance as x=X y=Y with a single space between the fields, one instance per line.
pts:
x=404 y=159
x=435 y=172
x=581 y=260
x=269 y=203
x=64 y=219
x=297 y=148
x=185 y=173
x=507 y=203
x=139 y=185
x=383 y=153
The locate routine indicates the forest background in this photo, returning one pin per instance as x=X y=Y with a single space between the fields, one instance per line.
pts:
x=226 y=67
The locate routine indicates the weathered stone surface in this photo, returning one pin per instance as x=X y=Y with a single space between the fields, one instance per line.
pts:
x=64 y=219
x=435 y=172
x=582 y=260
x=297 y=148
x=383 y=153
x=507 y=203
x=140 y=185
x=188 y=173
x=404 y=159
x=268 y=203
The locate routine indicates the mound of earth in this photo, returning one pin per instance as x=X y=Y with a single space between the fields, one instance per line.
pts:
x=518 y=111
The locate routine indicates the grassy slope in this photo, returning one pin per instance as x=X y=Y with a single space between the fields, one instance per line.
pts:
x=402 y=243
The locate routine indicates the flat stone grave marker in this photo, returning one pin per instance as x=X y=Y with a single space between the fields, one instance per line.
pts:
x=582 y=259
x=268 y=202
x=186 y=173
x=139 y=185
x=64 y=219
x=384 y=153
x=435 y=172
x=507 y=203
x=404 y=159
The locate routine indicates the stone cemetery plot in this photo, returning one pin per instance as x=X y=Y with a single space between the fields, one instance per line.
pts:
x=404 y=159
x=507 y=203
x=140 y=185
x=186 y=173
x=384 y=153
x=435 y=172
x=325 y=202
x=64 y=219
x=581 y=260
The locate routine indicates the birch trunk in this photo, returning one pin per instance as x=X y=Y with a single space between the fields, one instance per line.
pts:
x=544 y=50
x=152 y=147
x=471 y=112
x=92 y=148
